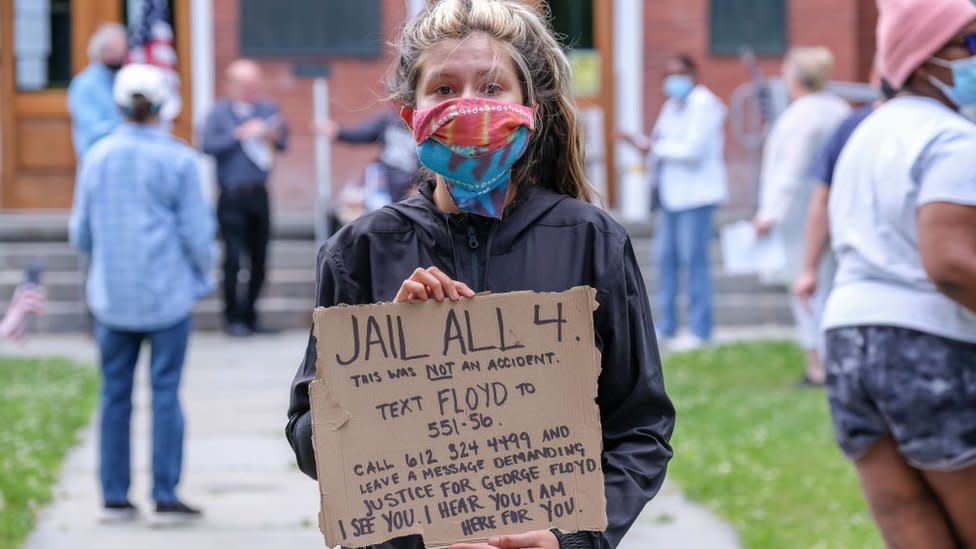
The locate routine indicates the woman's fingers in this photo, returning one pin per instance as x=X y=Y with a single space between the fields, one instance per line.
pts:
x=411 y=290
x=464 y=290
x=538 y=539
x=431 y=282
x=450 y=286
x=434 y=287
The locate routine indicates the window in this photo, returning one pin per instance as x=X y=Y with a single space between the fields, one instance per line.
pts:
x=757 y=24
x=42 y=44
x=270 y=28
x=573 y=21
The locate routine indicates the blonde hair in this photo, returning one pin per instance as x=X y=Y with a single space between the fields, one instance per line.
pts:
x=811 y=66
x=554 y=157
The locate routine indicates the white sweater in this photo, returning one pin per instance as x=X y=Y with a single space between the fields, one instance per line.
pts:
x=786 y=185
x=688 y=146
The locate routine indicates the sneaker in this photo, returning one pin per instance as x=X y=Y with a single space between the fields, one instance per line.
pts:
x=116 y=513
x=237 y=329
x=175 y=513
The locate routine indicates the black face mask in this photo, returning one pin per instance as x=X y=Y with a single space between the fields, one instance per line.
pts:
x=114 y=66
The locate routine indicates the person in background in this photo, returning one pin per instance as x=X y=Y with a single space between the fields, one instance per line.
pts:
x=398 y=160
x=901 y=318
x=496 y=81
x=93 y=112
x=686 y=148
x=786 y=186
x=140 y=214
x=817 y=237
x=242 y=133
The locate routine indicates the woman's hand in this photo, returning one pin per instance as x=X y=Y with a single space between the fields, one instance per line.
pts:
x=428 y=283
x=538 y=539
x=762 y=225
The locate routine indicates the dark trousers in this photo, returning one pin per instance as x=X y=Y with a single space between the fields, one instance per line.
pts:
x=245 y=226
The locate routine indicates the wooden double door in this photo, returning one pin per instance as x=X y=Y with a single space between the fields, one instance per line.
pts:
x=43 y=43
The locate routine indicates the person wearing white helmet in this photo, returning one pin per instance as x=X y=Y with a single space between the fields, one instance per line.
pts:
x=140 y=215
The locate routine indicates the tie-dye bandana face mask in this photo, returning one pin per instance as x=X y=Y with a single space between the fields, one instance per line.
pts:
x=473 y=144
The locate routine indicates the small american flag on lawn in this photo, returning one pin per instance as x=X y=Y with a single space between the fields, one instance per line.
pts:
x=151 y=41
x=28 y=300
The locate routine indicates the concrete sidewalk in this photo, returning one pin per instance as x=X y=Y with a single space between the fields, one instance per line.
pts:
x=239 y=468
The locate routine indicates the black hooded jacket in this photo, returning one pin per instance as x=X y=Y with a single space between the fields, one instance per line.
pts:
x=546 y=242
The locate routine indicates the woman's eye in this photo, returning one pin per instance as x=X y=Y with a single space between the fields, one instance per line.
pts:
x=443 y=90
x=493 y=89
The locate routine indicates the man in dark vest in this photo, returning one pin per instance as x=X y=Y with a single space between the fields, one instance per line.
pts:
x=243 y=132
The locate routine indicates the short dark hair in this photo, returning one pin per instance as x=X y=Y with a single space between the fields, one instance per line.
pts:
x=688 y=62
x=141 y=110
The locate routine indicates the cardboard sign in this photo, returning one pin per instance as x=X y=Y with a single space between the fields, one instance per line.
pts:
x=458 y=421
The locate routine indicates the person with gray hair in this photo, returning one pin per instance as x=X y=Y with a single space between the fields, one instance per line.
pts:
x=93 y=112
x=786 y=186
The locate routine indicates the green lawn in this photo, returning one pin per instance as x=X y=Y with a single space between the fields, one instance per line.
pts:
x=760 y=452
x=43 y=403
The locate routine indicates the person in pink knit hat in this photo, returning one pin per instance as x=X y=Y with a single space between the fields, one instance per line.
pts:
x=901 y=320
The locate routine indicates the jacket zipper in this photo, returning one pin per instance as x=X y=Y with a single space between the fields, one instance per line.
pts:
x=473 y=245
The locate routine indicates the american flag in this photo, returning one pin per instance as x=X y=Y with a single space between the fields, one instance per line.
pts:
x=151 y=41
x=28 y=300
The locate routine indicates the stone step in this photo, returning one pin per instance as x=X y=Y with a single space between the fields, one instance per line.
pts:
x=67 y=285
x=295 y=313
x=281 y=313
x=60 y=256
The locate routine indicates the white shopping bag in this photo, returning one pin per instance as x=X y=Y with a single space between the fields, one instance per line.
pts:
x=744 y=252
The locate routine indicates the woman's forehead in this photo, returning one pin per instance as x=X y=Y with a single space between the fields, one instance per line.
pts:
x=478 y=53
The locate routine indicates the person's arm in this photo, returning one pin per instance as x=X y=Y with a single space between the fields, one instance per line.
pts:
x=947 y=244
x=89 y=117
x=331 y=289
x=370 y=130
x=79 y=224
x=218 y=135
x=637 y=415
x=789 y=173
x=706 y=121
x=194 y=219
x=947 y=214
x=815 y=242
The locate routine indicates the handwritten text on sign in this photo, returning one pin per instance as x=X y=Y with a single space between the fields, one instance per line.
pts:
x=458 y=421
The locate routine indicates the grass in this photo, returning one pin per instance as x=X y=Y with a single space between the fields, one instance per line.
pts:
x=43 y=403
x=760 y=452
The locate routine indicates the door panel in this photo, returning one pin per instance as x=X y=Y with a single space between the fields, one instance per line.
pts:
x=38 y=160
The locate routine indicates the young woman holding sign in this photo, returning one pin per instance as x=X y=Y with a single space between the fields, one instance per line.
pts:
x=486 y=89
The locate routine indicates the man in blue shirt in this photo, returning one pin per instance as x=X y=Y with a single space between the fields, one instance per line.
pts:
x=140 y=215
x=93 y=113
x=242 y=133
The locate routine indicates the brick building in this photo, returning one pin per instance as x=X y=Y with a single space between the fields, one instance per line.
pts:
x=632 y=38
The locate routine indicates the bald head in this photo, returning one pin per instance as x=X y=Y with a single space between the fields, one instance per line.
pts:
x=108 y=45
x=244 y=80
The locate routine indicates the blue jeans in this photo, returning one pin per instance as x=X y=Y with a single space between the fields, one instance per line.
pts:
x=119 y=351
x=681 y=245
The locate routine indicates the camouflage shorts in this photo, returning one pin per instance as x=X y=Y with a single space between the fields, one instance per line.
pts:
x=917 y=387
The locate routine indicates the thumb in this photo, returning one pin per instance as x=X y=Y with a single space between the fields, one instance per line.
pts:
x=516 y=541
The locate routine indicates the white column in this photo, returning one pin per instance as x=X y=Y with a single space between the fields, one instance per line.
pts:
x=202 y=73
x=628 y=45
x=414 y=7
x=628 y=70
